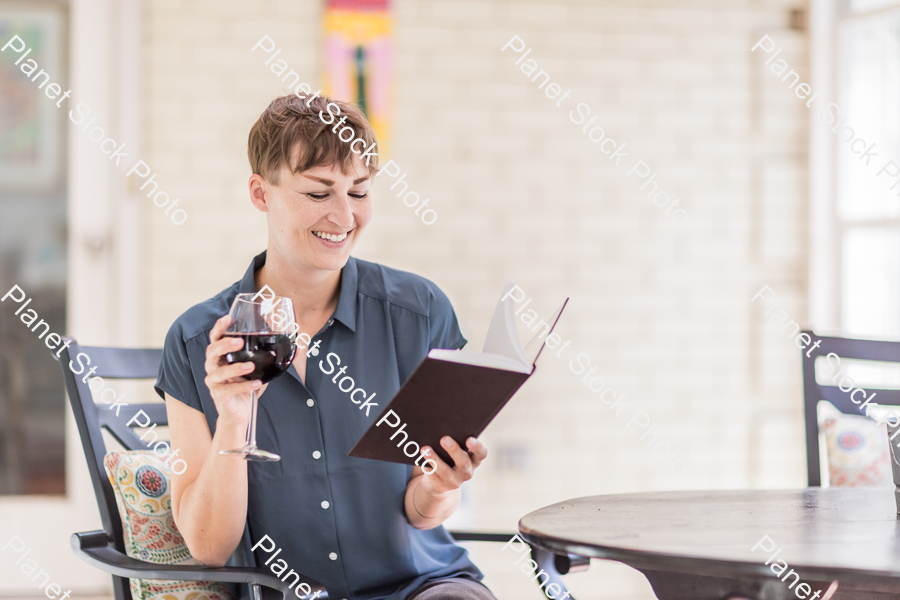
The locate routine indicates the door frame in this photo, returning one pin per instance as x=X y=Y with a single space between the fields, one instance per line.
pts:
x=105 y=295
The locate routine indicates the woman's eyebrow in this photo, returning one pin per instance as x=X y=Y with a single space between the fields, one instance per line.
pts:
x=320 y=179
x=330 y=182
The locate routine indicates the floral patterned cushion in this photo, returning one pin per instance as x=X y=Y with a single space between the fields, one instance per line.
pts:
x=858 y=453
x=140 y=479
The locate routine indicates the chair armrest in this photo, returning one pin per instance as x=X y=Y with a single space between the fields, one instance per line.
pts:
x=95 y=548
x=476 y=536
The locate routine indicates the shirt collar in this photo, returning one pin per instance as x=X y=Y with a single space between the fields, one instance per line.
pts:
x=346 y=308
x=248 y=282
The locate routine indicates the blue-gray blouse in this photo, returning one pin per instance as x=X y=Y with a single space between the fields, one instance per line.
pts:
x=337 y=519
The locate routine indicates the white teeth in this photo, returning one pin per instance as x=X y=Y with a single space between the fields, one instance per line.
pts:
x=331 y=236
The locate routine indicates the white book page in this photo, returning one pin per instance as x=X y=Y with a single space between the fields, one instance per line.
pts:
x=536 y=345
x=502 y=338
x=494 y=361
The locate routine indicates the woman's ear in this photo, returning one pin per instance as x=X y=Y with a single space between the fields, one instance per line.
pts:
x=258 y=190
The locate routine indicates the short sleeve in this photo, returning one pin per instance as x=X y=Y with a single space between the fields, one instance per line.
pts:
x=443 y=327
x=175 y=377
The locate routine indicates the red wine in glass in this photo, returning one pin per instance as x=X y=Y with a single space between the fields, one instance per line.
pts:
x=271 y=353
x=265 y=325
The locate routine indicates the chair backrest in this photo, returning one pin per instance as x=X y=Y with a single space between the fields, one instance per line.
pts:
x=813 y=391
x=91 y=419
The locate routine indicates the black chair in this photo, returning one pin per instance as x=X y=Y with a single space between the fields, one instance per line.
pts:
x=105 y=549
x=813 y=392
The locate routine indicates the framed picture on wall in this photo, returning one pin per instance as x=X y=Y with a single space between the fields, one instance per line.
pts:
x=31 y=125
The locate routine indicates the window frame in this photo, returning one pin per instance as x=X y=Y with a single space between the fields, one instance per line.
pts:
x=827 y=229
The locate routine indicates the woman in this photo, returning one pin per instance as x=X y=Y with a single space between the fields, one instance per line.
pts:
x=365 y=529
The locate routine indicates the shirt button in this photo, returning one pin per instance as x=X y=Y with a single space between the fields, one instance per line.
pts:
x=333 y=556
x=330 y=321
x=325 y=504
x=317 y=455
x=310 y=402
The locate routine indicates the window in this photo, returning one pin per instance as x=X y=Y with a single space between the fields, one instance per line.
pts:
x=867 y=211
x=33 y=253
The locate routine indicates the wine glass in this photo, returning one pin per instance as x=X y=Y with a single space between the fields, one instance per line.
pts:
x=266 y=326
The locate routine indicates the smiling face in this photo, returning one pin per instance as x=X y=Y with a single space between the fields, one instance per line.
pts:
x=315 y=216
x=314 y=186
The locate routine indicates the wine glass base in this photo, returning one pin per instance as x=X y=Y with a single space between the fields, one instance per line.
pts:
x=252 y=453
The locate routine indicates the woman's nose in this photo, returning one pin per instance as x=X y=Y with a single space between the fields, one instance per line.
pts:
x=343 y=212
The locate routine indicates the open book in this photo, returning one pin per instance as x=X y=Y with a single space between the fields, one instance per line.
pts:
x=455 y=393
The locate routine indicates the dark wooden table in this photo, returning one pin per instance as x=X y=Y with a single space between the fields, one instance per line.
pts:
x=697 y=545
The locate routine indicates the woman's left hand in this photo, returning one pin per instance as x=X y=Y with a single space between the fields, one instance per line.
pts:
x=445 y=478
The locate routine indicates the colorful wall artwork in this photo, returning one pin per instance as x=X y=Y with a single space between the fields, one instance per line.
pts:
x=358 y=60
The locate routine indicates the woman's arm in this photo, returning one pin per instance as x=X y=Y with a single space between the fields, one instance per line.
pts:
x=431 y=498
x=209 y=499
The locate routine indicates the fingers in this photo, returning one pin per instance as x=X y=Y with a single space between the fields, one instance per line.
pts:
x=243 y=387
x=216 y=350
x=220 y=345
x=477 y=451
x=218 y=330
x=460 y=457
x=221 y=392
x=226 y=373
x=222 y=387
x=453 y=477
x=465 y=462
x=442 y=470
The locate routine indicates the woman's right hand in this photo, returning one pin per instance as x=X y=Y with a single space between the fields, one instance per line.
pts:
x=226 y=383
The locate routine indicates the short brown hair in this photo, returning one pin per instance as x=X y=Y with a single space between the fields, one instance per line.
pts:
x=289 y=121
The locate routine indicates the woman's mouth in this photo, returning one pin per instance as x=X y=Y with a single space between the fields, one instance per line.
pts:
x=330 y=239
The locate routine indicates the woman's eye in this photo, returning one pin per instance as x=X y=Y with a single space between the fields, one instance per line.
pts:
x=317 y=196
x=359 y=196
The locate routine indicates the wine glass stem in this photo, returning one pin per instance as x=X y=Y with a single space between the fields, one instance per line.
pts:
x=251 y=428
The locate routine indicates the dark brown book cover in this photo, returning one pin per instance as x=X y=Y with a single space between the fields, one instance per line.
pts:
x=440 y=398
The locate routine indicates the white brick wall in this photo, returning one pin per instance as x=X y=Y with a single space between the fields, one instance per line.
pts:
x=522 y=195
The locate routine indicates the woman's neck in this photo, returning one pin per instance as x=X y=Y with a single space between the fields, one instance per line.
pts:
x=313 y=292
